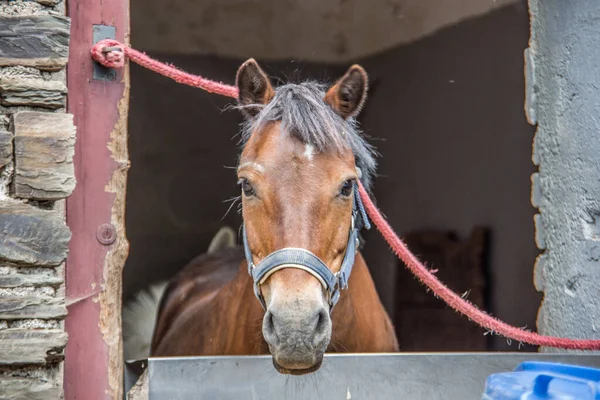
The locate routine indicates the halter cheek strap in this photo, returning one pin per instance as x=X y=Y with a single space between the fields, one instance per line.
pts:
x=305 y=260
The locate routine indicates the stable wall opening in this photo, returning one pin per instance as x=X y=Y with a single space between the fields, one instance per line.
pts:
x=445 y=111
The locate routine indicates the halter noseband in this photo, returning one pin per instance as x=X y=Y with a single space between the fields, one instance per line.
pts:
x=303 y=259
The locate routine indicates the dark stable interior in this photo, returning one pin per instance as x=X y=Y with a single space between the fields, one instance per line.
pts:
x=446 y=114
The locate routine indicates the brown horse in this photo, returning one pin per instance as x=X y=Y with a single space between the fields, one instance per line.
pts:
x=301 y=159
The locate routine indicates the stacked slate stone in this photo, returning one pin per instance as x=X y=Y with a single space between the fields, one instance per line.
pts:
x=37 y=140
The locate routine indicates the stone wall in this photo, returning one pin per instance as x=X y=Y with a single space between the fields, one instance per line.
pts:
x=37 y=142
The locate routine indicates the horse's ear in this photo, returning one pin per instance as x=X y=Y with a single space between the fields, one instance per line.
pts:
x=348 y=95
x=254 y=88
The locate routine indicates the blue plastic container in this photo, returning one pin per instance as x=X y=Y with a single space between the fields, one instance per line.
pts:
x=542 y=380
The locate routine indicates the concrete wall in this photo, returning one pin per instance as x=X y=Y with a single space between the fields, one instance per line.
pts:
x=566 y=98
x=311 y=30
x=457 y=153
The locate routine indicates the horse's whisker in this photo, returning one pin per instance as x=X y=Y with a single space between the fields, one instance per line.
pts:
x=233 y=201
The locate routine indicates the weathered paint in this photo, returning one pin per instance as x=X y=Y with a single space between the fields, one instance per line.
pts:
x=93 y=367
x=564 y=48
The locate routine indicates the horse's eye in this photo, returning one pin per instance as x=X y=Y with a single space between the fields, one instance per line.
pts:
x=246 y=187
x=347 y=187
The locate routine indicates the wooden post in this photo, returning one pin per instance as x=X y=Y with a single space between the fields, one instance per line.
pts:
x=95 y=211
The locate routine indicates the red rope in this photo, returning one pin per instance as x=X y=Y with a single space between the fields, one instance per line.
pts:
x=110 y=53
x=457 y=302
x=114 y=58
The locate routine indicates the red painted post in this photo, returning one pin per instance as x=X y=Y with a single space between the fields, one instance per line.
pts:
x=95 y=211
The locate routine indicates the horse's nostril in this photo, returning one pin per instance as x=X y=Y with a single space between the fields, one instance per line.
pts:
x=321 y=326
x=269 y=325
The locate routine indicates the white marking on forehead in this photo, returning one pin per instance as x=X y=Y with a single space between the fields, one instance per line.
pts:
x=252 y=164
x=309 y=150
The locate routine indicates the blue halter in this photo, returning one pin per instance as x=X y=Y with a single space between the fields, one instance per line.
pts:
x=305 y=260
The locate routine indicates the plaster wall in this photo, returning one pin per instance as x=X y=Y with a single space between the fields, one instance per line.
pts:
x=566 y=102
x=310 y=30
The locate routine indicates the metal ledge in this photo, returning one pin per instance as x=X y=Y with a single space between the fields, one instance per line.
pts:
x=430 y=376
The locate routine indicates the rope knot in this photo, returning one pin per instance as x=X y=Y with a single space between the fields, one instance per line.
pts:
x=109 y=53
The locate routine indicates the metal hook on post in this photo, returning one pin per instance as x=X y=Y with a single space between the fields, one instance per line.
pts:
x=100 y=72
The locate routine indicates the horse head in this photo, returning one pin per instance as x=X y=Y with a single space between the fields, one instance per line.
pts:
x=298 y=171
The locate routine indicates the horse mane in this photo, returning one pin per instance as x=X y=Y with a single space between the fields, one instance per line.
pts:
x=304 y=114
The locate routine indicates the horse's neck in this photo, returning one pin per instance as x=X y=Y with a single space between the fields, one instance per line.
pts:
x=360 y=323
x=243 y=321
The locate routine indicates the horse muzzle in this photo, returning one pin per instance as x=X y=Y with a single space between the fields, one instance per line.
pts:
x=298 y=335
